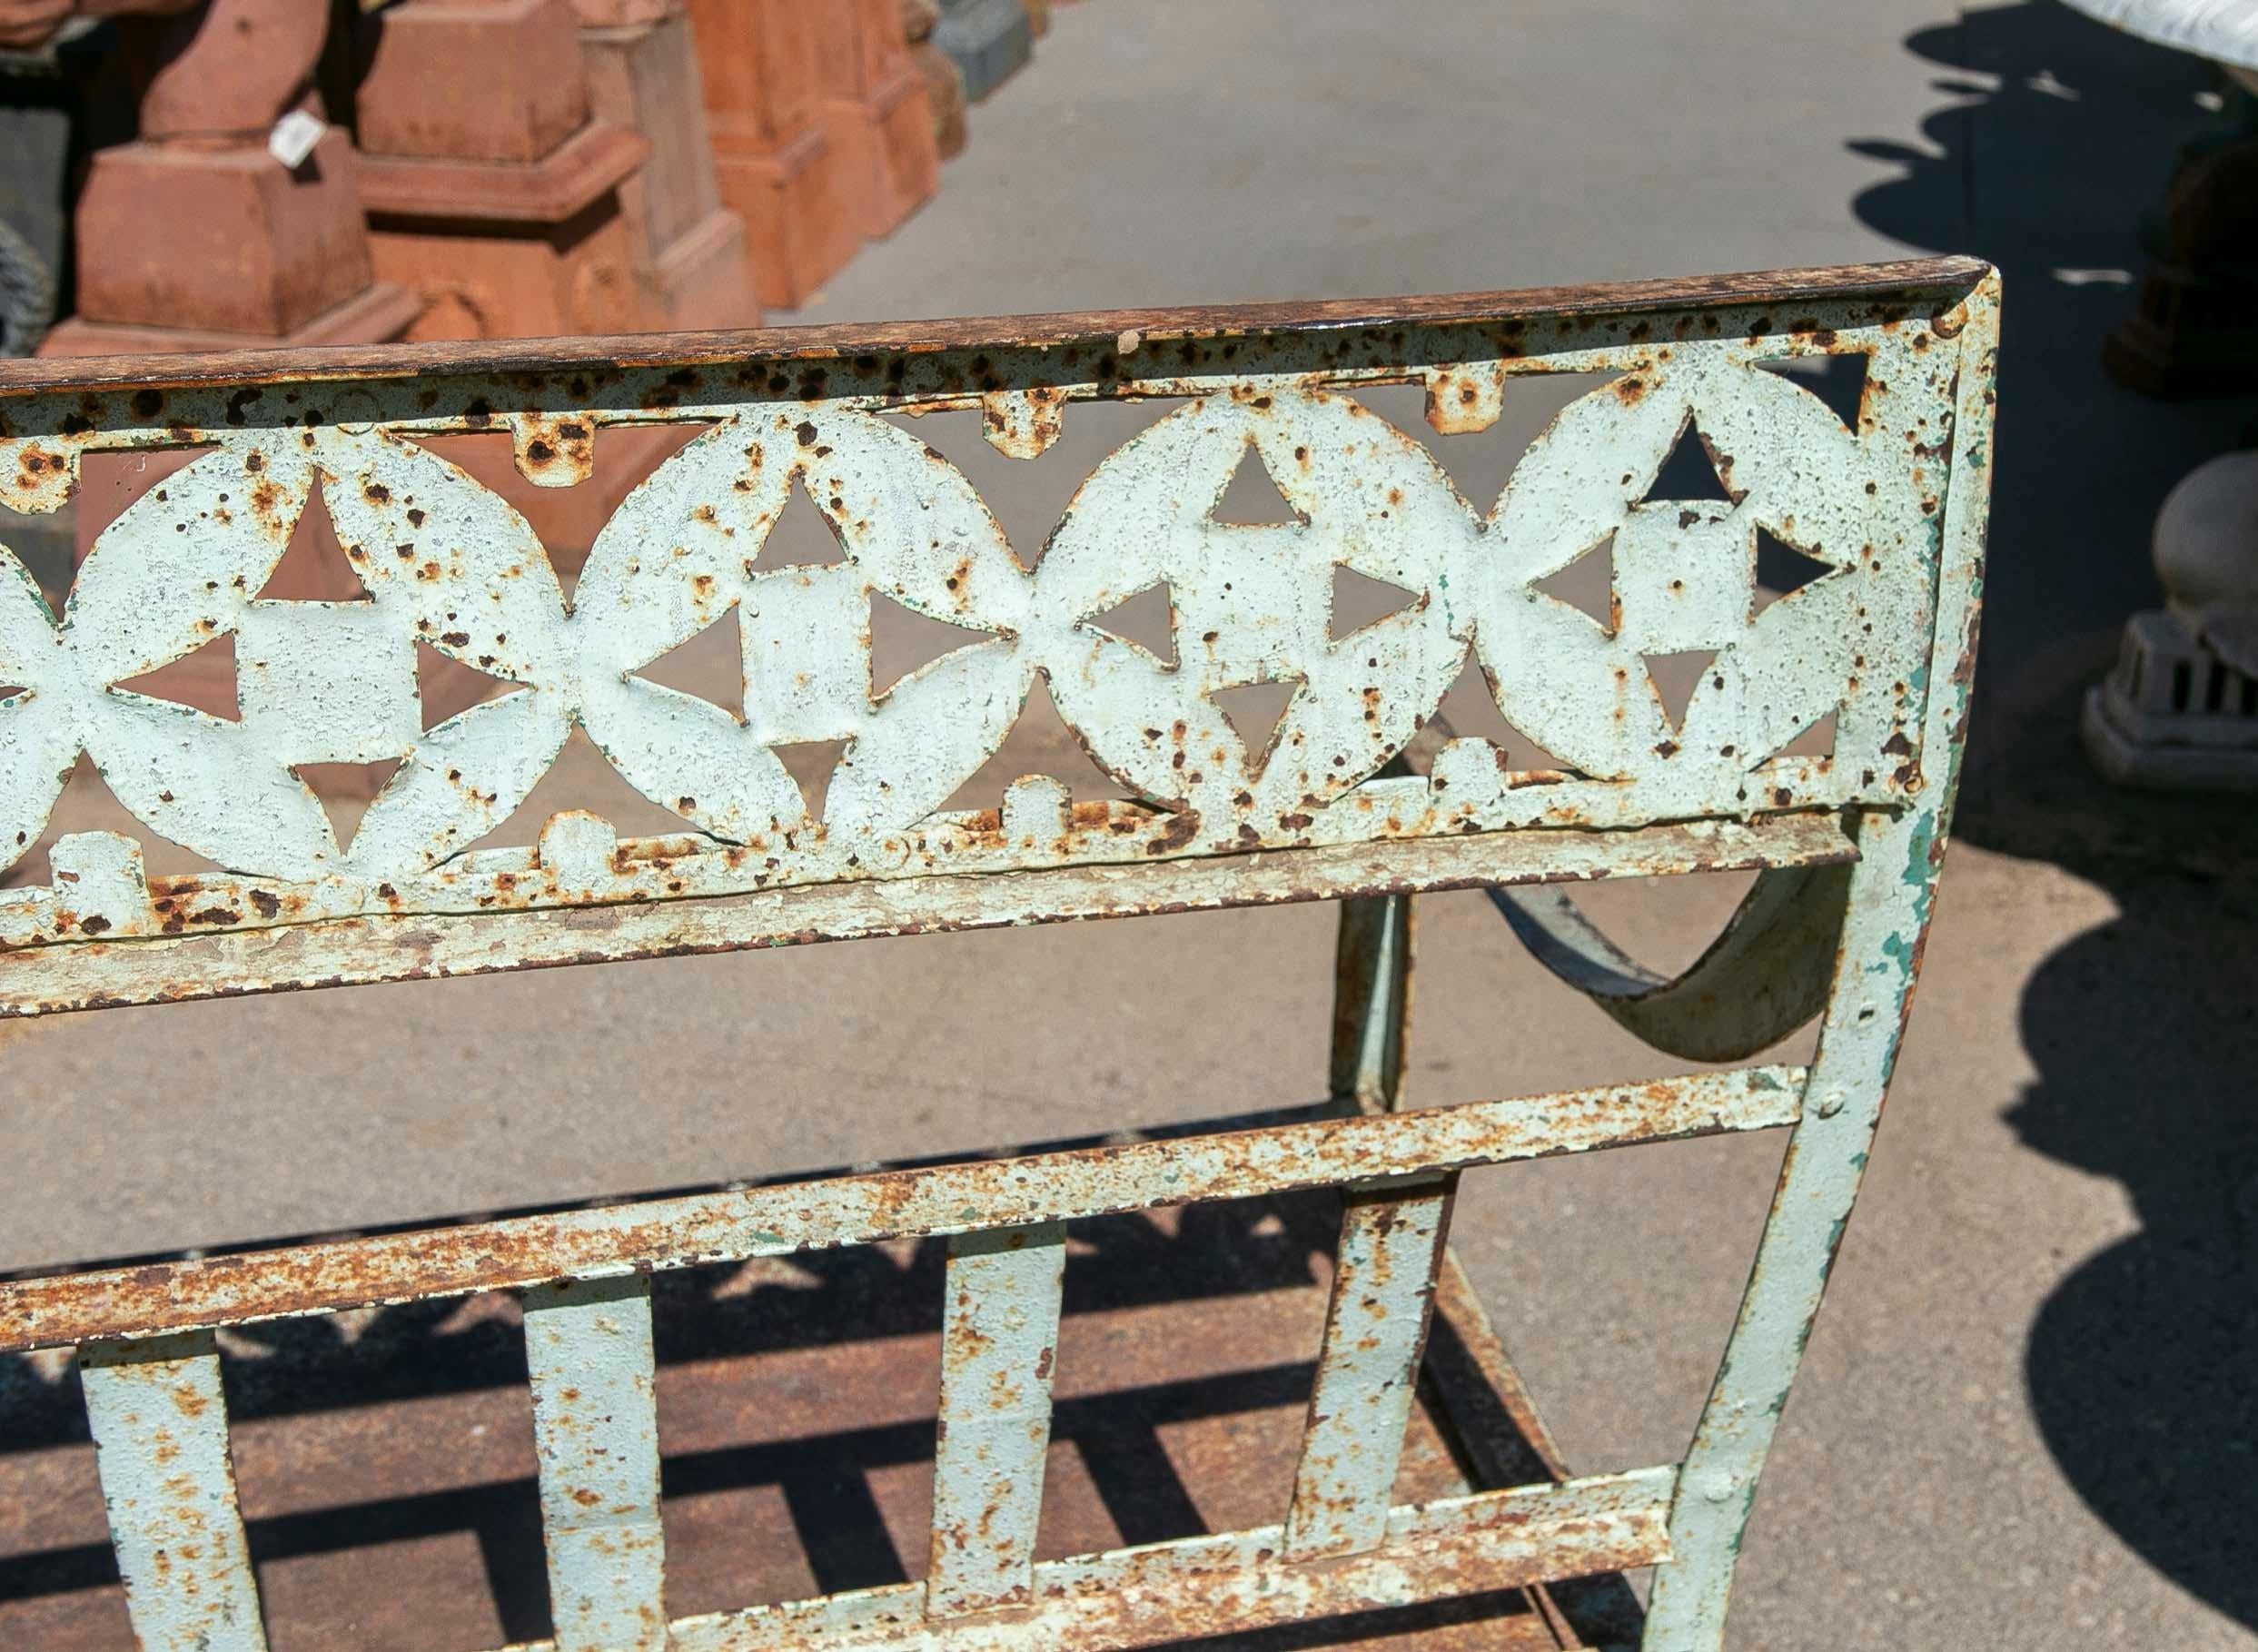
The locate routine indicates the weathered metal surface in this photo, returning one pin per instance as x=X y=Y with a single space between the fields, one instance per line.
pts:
x=1383 y=1290
x=1371 y=1001
x=1892 y=893
x=253 y=957
x=448 y=566
x=588 y=1346
x=1240 y=1581
x=160 y=1428
x=999 y=1339
x=797 y=1403
x=776 y=1221
x=1766 y=973
x=1887 y=503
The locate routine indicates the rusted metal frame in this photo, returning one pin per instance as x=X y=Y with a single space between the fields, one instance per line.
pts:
x=1764 y=975
x=1000 y=1336
x=1238 y=1582
x=355 y=951
x=160 y=1443
x=1462 y=350
x=579 y=861
x=965 y=1198
x=593 y=1372
x=1383 y=1289
x=1892 y=894
x=863 y=355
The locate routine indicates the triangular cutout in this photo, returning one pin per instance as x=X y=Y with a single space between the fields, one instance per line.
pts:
x=1470 y=711
x=1038 y=742
x=1676 y=677
x=1256 y=712
x=1145 y=621
x=1816 y=741
x=1588 y=585
x=1358 y=600
x=582 y=778
x=314 y=567
x=710 y=665
x=801 y=536
x=1251 y=499
x=903 y=640
x=449 y=688
x=1839 y=381
x=1782 y=570
x=811 y=764
x=1690 y=472
x=345 y=791
x=204 y=679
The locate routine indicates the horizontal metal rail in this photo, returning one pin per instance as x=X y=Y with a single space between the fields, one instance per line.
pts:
x=966 y=1198
x=160 y=969
x=1237 y=1582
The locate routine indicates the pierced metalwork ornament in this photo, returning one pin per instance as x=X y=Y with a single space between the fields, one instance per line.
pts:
x=1352 y=796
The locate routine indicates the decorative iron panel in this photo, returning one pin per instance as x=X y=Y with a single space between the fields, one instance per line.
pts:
x=445 y=563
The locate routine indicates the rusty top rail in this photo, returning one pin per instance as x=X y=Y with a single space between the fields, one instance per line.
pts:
x=1912 y=284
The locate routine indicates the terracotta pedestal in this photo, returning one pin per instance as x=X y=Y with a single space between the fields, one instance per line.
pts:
x=874 y=110
x=691 y=257
x=776 y=167
x=488 y=187
x=196 y=237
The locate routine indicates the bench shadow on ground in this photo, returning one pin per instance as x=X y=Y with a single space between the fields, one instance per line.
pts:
x=2142 y=1361
x=798 y=1430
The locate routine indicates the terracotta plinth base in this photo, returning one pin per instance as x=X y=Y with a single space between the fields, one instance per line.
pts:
x=477 y=80
x=704 y=279
x=374 y=316
x=887 y=138
x=692 y=256
x=2191 y=335
x=799 y=207
x=503 y=251
x=219 y=239
x=487 y=280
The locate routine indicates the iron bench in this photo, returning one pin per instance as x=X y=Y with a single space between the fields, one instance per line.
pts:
x=1354 y=799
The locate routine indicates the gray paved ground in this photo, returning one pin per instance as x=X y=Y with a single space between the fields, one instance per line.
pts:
x=2030 y=1415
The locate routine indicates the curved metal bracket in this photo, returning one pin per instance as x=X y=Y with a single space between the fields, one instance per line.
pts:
x=1766 y=973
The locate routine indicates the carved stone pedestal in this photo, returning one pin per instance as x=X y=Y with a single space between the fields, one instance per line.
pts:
x=874 y=109
x=2180 y=710
x=691 y=255
x=488 y=187
x=803 y=207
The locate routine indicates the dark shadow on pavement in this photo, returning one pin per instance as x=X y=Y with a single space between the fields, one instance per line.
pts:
x=2056 y=133
x=2143 y=1363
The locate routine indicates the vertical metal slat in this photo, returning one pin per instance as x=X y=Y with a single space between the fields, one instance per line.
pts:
x=1372 y=1004
x=588 y=1347
x=160 y=1428
x=1383 y=1291
x=999 y=1335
